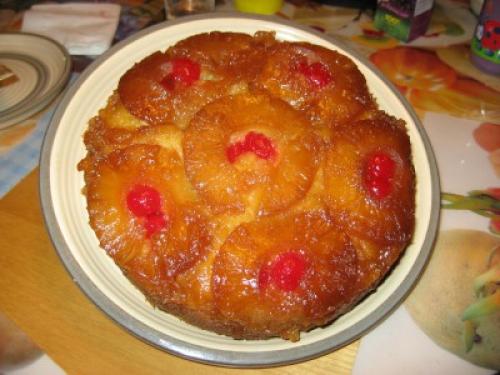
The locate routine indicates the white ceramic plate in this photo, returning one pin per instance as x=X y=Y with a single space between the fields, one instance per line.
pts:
x=65 y=208
x=42 y=67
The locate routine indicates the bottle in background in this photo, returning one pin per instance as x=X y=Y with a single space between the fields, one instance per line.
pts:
x=258 y=6
x=403 y=19
x=485 y=44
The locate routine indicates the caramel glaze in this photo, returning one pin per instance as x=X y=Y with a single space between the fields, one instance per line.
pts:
x=254 y=247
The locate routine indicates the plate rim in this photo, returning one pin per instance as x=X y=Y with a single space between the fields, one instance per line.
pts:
x=35 y=91
x=202 y=354
x=39 y=102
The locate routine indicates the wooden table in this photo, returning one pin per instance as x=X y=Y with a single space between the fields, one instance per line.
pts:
x=40 y=297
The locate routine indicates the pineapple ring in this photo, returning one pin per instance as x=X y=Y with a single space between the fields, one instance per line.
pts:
x=385 y=220
x=181 y=239
x=251 y=182
x=325 y=84
x=143 y=93
x=327 y=272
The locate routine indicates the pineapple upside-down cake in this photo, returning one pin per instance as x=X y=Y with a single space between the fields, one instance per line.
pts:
x=249 y=186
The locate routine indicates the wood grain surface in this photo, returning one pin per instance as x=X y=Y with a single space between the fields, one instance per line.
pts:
x=39 y=296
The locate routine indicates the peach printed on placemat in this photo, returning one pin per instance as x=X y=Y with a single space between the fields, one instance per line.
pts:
x=432 y=85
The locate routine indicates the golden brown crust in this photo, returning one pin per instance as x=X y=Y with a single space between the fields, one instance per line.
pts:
x=235 y=196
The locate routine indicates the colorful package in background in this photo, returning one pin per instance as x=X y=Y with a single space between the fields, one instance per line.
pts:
x=403 y=19
x=485 y=44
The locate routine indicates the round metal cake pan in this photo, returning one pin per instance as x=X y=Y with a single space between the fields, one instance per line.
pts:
x=64 y=207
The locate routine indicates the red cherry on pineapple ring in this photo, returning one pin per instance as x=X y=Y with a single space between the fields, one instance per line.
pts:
x=143 y=200
x=285 y=271
x=254 y=142
x=316 y=72
x=184 y=72
x=378 y=173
